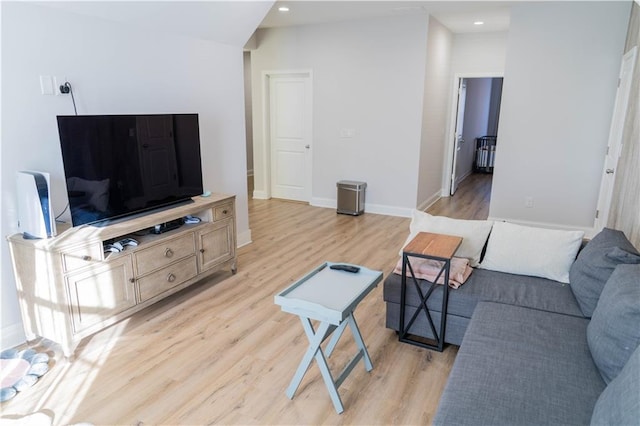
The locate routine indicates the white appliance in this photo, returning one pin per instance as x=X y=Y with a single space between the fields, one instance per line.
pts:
x=35 y=215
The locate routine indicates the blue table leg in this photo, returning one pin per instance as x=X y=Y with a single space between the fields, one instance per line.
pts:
x=315 y=351
x=359 y=341
x=315 y=339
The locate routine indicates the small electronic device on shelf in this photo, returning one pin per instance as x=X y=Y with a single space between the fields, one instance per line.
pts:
x=167 y=226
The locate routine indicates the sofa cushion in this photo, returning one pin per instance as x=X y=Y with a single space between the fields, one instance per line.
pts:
x=521 y=366
x=614 y=331
x=483 y=285
x=619 y=404
x=525 y=250
x=473 y=232
x=595 y=264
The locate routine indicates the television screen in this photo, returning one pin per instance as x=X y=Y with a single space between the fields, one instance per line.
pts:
x=117 y=165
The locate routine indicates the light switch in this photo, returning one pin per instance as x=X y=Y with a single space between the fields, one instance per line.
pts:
x=46 y=85
x=347 y=133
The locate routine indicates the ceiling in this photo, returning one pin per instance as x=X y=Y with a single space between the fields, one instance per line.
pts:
x=230 y=22
x=458 y=16
x=233 y=21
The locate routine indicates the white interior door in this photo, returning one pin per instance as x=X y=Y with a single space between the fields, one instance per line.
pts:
x=614 y=149
x=462 y=97
x=290 y=131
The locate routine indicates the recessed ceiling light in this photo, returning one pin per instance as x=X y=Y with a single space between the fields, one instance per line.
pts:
x=478 y=23
x=283 y=9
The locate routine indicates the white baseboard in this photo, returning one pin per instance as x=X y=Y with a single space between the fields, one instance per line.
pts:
x=329 y=203
x=589 y=232
x=260 y=195
x=12 y=336
x=429 y=202
x=244 y=238
x=388 y=210
x=332 y=203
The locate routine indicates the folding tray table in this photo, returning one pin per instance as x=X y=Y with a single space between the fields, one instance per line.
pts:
x=330 y=297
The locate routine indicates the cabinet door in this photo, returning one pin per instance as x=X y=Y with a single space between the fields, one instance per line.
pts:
x=216 y=244
x=100 y=293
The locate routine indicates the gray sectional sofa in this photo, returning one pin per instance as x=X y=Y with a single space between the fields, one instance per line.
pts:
x=537 y=351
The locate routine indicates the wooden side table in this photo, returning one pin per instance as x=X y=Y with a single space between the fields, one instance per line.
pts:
x=427 y=246
x=330 y=297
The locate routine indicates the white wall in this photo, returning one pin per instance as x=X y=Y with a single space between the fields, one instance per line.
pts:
x=560 y=81
x=479 y=54
x=437 y=98
x=367 y=76
x=113 y=68
x=476 y=118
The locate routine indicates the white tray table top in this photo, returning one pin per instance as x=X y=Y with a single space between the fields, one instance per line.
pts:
x=326 y=294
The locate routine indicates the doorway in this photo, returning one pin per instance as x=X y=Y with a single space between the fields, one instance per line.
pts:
x=476 y=116
x=287 y=117
x=290 y=136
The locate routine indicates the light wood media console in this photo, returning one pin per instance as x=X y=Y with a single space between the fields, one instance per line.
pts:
x=69 y=288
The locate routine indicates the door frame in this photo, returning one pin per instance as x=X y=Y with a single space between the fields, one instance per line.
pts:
x=450 y=144
x=265 y=80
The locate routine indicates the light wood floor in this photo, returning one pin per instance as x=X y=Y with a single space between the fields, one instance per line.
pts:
x=471 y=200
x=223 y=353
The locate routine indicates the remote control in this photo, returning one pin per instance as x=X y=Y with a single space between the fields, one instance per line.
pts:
x=346 y=268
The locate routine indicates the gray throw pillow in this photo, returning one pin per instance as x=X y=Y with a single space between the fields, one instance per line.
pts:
x=595 y=264
x=613 y=333
x=619 y=403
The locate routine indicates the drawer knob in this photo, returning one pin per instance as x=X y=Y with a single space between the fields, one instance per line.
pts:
x=168 y=253
x=201 y=250
x=225 y=211
x=171 y=278
x=132 y=280
x=86 y=258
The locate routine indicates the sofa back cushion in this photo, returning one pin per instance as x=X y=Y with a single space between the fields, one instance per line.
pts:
x=619 y=403
x=525 y=250
x=474 y=233
x=613 y=333
x=595 y=264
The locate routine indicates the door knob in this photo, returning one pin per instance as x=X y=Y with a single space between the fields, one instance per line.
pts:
x=609 y=171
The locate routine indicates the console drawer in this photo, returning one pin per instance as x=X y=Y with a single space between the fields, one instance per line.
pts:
x=160 y=281
x=222 y=212
x=164 y=253
x=80 y=257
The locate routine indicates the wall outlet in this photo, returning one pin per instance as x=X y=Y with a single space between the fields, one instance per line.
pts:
x=528 y=202
x=57 y=82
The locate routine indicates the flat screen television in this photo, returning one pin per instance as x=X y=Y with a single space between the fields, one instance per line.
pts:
x=119 y=165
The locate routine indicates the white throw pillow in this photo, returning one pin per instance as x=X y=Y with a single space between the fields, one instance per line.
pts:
x=538 y=252
x=474 y=233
